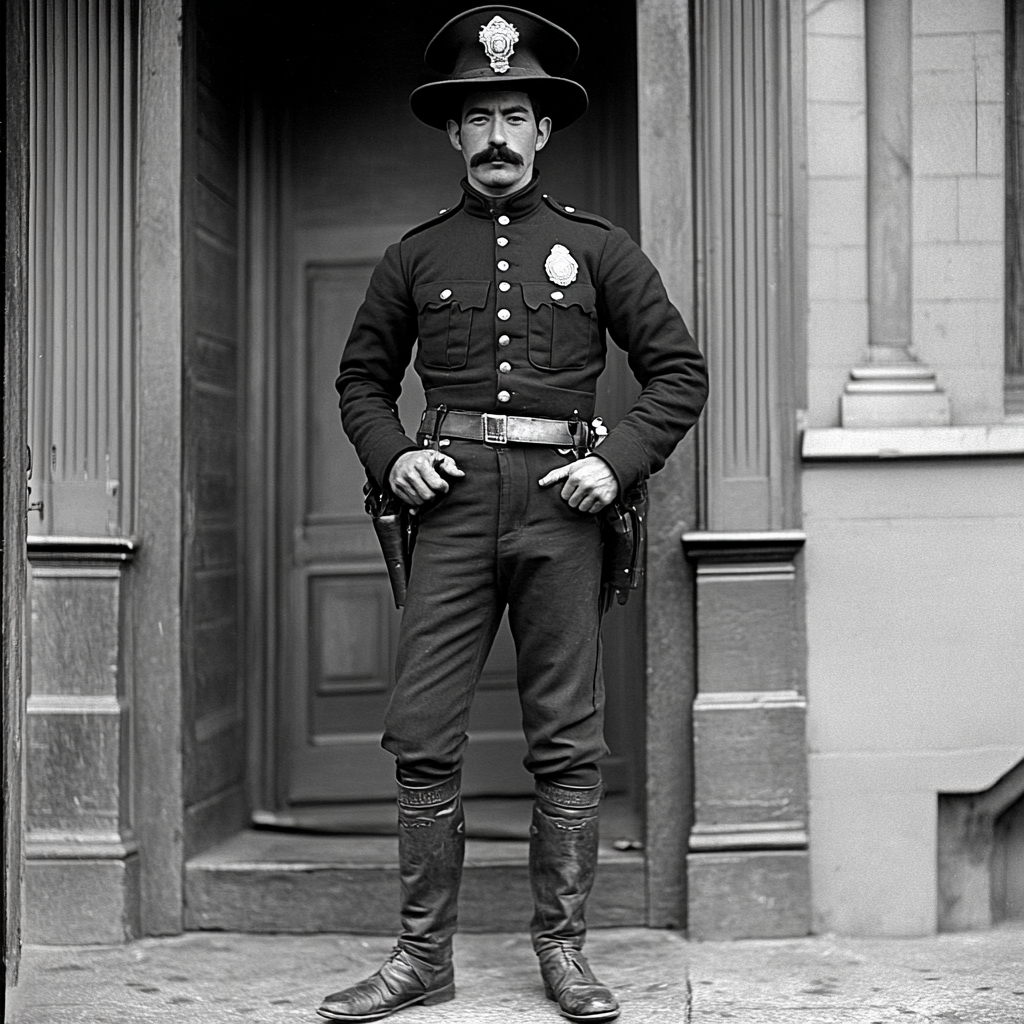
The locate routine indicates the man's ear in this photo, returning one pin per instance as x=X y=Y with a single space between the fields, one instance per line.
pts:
x=543 y=133
x=454 y=135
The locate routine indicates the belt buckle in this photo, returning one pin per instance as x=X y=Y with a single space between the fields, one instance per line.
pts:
x=495 y=428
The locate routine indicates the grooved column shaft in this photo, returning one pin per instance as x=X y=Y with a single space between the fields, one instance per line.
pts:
x=889 y=95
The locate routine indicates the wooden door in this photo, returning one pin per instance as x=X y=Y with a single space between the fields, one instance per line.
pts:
x=358 y=171
x=345 y=626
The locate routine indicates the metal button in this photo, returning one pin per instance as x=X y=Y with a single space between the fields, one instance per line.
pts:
x=504 y=340
x=502 y=241
x=503 y=314
x=555 y=295
x=503 y=396
x=503 y=220
x=504 y=367
x=570 y=209
x=503 y=264
x=446 y=294
x=504 y=286
x=439 y=212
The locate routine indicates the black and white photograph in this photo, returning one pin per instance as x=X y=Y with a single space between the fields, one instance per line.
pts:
x=514 y=513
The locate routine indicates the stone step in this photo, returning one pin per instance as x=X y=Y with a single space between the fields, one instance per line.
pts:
x=265 y=881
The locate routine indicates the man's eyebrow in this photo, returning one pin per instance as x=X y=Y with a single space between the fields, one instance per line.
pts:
x=515 y=109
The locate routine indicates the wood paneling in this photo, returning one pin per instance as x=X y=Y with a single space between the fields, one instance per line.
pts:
x=81 y=381
x=213 y=661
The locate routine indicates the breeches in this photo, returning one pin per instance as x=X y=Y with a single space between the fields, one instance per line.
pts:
x=497 y=539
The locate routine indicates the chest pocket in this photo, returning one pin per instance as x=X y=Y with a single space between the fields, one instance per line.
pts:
x=445 y=312
x=561 y=331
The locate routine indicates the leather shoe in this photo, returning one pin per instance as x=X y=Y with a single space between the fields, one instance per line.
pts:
x=569 y=981
x=403 y=981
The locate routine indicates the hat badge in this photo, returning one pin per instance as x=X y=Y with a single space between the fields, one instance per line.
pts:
x=560 y=266
x=499 y=39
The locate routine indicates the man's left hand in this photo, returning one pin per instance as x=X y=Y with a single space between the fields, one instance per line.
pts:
x=590 y=483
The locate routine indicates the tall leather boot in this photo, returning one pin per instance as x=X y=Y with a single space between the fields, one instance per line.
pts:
x=563 y=859
x=431 y=843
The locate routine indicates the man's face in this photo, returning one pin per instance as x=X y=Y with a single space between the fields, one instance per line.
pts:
x=498 y=138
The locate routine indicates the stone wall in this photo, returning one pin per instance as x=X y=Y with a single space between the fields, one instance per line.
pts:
x=914 y=563
x=958 y=186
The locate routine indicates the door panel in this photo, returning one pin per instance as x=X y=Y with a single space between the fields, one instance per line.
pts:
x=340 y=668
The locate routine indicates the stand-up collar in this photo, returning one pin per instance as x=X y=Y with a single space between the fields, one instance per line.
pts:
x=514 y=206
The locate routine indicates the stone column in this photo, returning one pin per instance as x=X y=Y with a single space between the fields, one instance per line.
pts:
x=892 y=388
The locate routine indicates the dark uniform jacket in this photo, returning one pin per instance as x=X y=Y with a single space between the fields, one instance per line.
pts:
x=496 y=335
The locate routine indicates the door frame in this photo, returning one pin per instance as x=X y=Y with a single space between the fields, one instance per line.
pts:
x=265 y=134
x=14 y=441
x=665 y=147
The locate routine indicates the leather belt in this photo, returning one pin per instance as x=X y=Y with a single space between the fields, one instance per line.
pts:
x=497 y=428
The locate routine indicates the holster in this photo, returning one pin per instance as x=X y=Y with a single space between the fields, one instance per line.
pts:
x=396 y=532
x=624 y=528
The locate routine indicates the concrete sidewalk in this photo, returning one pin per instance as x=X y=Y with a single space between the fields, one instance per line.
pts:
x=209 y=977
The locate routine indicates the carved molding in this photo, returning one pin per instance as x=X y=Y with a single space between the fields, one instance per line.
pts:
x=836 y=444
x=72 y=550
x=706 y=547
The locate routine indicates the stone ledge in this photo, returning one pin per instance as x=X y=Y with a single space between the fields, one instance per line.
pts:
x=740 y=546
x=836 y=444
x=45 y=548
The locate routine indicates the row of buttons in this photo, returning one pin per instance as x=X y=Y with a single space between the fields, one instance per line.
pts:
x=504 y=286
x=503 y=314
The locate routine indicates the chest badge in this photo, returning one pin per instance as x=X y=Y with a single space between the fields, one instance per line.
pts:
x=560 y=267
x=499 y=39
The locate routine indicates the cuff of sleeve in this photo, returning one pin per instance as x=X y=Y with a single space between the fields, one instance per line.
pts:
x=627 y=459
x=383 y=457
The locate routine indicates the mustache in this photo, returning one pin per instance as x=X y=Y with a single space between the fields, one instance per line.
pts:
x=491 y=153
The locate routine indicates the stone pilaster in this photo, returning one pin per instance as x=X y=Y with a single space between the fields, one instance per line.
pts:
x=747 y=870
x=82 y=870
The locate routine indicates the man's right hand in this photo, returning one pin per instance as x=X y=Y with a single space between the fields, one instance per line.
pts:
x=415 y=478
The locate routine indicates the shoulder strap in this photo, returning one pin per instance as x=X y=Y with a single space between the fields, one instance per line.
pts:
x=571 y=213
x=441 y=217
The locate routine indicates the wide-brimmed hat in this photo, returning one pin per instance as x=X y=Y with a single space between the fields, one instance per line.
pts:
x=500 y=48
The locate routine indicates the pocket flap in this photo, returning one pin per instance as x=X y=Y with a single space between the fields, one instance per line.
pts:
x=467 y=294
x=582 y=295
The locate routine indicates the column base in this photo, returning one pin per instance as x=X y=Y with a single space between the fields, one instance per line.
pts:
x=81 y=894
x=894 y=395
x=748 y=895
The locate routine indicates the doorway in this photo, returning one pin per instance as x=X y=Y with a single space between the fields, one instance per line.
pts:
x=352 y=171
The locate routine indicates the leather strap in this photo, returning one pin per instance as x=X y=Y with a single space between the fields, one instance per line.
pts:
x=496 y=428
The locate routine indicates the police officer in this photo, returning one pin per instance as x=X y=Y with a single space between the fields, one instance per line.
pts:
x=509 y=299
